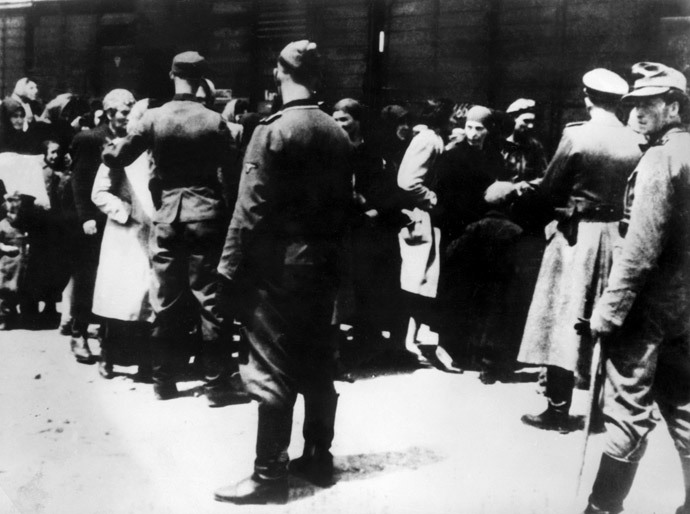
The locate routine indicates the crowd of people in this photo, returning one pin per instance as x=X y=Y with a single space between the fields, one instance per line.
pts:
x=270 y=253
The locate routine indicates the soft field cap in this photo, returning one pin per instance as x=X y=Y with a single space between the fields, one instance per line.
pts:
x=655 y=79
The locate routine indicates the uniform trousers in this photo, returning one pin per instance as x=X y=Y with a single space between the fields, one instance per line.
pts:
x=291 y=349
x=646 y=364
x=184 y=257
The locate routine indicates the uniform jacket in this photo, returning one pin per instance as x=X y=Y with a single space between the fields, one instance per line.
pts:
x=189 y=144
x=653 y=267
x=86 y=157
x=294 y=192
x=586 y=180
x=592 y=163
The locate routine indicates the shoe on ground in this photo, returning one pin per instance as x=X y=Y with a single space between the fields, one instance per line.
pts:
x=66 y=328
x=165 y=391
x=230 y=393
x=255 y=491
x=314 y=466
x=105 y=370
x=551 y=419
x=143 y=376
x=81 y=351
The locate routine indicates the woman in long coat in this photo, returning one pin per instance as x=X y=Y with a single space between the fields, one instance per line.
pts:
x=121 y=292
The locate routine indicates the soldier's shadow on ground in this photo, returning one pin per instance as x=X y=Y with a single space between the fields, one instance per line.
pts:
x=367 y=465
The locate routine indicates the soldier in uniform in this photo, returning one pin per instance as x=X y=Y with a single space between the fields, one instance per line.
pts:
x=189 y=143
x=584 y=182
x=280 y=262
x=644 y=314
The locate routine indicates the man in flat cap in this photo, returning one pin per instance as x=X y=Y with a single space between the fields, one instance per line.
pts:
x=282 y=250
x=643 y=317
x=189 y=143
x=524 y=156
x=584 y=183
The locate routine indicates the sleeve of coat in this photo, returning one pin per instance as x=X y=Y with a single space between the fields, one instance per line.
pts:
x=253 y=200
x=557 y=181
x=123 y=152
x=416 y=164
x=102 y=196
x=647 y=232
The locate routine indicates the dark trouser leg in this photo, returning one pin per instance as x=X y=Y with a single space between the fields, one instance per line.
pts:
x=109 y=340
x=611 y=486
x=169 y=302
x=272 y=441
x=559 y=388
x=204 y=242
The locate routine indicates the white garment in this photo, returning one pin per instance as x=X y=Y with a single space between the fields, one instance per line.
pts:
x=124 y=271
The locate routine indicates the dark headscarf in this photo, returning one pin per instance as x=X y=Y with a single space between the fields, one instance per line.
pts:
x=12 y=140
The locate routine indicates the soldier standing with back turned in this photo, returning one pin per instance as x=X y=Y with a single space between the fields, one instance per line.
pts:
x=280 y=262
x=189 y=144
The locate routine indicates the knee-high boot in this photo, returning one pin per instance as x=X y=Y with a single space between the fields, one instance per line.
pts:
x=268 y=484
x=611 y=486
x=316 y=462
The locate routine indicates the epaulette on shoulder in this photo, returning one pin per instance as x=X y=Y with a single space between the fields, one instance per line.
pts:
x=270 y=119
x=574 y=124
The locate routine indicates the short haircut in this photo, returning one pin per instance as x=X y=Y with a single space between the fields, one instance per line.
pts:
x=350 y=106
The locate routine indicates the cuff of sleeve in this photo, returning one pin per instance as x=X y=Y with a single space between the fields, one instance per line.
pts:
x=614 y=306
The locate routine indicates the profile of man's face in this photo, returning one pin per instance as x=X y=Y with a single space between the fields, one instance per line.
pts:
x=651 y=114
x=31 y=91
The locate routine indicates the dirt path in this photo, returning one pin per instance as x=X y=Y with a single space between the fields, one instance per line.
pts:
x=423 y=442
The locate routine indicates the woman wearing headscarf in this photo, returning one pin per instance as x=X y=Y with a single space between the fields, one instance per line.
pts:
x=13 y=138
x=478 y=240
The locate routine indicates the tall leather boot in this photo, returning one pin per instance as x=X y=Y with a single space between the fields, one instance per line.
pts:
x=164 y=369
x=559 y=393
x=611 y=486
x=268 y=484
x=685 y=464
x=316 y=462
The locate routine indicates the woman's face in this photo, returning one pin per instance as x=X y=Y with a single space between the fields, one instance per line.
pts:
x=17 y=120
x=476 y=133
x=347 y=123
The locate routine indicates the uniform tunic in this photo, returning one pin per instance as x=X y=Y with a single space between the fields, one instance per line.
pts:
x=585 y=182
x=648 y=296
x=283 y=244
x=189 y=143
